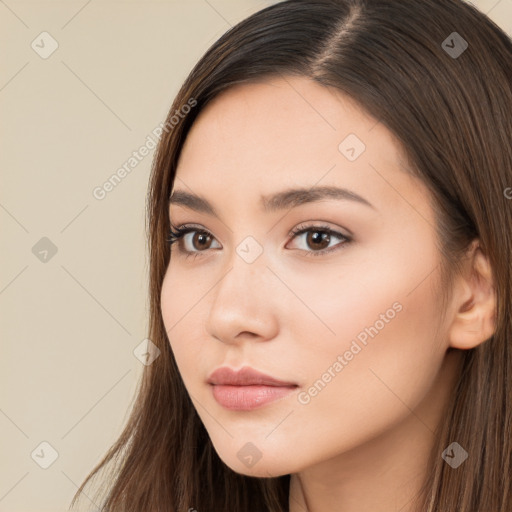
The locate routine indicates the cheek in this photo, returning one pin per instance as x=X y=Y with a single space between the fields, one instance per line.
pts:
x=384 y=300
x=180 y=305
x=381 y=360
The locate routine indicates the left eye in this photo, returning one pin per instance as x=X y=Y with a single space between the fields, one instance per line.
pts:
x=318 y=239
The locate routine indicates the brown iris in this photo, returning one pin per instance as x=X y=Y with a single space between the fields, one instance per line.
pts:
x=203 y=239
x=318 y=237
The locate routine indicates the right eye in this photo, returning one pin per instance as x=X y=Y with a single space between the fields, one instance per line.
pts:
x=191 y=239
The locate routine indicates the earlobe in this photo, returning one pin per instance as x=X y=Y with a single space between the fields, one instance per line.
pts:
x=475 y=306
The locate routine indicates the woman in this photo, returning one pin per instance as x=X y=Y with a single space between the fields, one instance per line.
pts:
x=373 y=135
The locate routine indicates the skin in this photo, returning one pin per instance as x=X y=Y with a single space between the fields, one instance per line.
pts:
x=360 y=444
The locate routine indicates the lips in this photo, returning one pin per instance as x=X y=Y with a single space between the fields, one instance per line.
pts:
x=246 y=376
x=247 y=389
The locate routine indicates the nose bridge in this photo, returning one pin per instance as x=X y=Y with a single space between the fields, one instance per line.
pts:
x=240 y=298
x=245 y=267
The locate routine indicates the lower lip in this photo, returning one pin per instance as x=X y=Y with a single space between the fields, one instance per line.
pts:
x=246 y=398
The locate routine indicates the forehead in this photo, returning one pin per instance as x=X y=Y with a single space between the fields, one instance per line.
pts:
x=293 y=114
x=256 y=138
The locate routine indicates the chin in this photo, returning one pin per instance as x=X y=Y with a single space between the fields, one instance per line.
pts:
x=261 y=468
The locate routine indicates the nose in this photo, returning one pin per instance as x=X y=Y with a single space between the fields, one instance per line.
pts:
x=245 y=303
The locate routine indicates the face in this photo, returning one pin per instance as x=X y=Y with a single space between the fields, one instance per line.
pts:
x=336 y=295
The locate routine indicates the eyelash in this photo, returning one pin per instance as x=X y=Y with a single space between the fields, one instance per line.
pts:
x=176 y=233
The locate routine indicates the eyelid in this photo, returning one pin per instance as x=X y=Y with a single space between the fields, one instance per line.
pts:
x=321 y=226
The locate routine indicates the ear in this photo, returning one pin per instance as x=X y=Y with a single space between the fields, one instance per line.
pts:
x=475 y=302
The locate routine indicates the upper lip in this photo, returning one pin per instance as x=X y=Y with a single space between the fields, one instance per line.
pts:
x=246 y=376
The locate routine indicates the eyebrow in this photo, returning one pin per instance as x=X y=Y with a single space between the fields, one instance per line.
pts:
x=290 y=198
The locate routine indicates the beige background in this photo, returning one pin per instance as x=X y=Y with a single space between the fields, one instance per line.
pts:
x=71 y=320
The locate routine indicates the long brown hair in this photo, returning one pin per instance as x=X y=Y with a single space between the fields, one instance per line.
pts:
x=448 y=100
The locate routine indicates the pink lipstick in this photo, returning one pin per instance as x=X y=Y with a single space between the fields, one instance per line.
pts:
x=247 y=388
